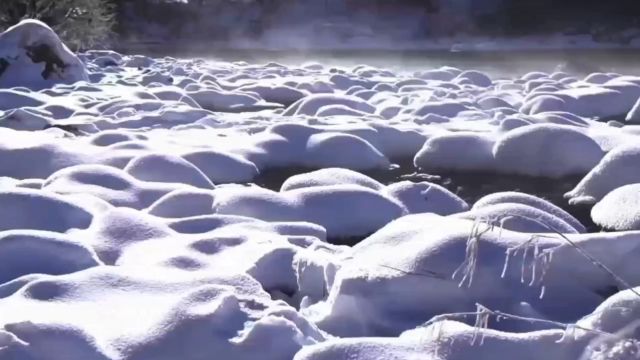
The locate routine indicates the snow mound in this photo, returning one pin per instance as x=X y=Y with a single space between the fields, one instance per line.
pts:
x=107 y=183
x=226 y=101
x=193 y=314
x=474 y=77
x=437 y=74
x=27 y=157
x=330 y=176
x=456 y=151
x=513 y=197
x=588 y=101
x=547 y=150
x=616 y=169
x=117 y=229
x=38 y=252
x=445 y=109
x=417 y=263
x=222 y=167
x=310 y=105
x=519 y=217
x=343 y=150
x=35 y=210
x=111 y=137
x=183 y=203
x=284 y=95
x=32 y=56
x=619 y=210
x=168 y=169
x=343 y=210
x=425 y=197
x=450 y=338
x=291 y=144
x=13 y=99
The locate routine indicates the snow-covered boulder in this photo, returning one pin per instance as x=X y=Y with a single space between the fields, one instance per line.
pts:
x=39 y=252
x=169 y=169
x=183 y=203
x=454 y=338
x=619 y=210
x=221 y=167
x=425 y=197
x=474 y=77
x=33 y=56
x=310 y=105
x=330 y=176
x=35 y=210
x=328 y=149
x=441 y=108
x=547 y=150
x=193 y=313
x=344 y=210
x=587 y=101
x=616 y=169
x=519 y=217
x=107 y=183
x=428 y=265
x=512 y=197
x=457 y=151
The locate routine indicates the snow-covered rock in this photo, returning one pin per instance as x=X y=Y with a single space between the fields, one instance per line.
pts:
x=452 y=337
x=425 y=197
x=519 y=217
x=310 y=105
x=33 y=56
x=344 y=210
x=546 y=150
x=513 y=197
x=193 y=314
x=168 y=169
x=457 y=151
x=587 y=101
x=616 y=169
x=330 y=176
x=619 y=210
x=429 y=265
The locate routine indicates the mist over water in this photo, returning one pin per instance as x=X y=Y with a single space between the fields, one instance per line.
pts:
x=504 y=63
x=294 y=32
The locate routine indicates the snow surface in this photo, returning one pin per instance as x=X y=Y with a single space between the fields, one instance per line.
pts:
x=162 y=208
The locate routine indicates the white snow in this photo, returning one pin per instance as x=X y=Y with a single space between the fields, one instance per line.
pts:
x=619 y=209
x=425 y=197
x=616 y=169
x=397 y=269
x=163 y=208
x=453 y=339
x=546 y=150
x=330 y=176
x=513 y=197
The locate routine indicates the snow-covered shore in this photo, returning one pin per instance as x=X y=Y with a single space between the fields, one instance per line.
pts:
x=132 y=227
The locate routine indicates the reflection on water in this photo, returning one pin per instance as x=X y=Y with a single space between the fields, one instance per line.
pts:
x=496 y=63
